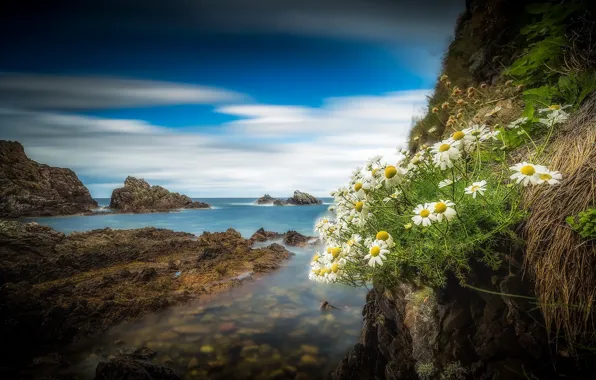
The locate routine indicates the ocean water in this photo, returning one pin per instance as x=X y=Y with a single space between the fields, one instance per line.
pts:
x=269 y=328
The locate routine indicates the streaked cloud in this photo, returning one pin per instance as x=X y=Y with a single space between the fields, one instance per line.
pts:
x=271 y=149
x=34 y=91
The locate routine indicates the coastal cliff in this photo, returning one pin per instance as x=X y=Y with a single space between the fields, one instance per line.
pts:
x=28 y=188
x=138 y=196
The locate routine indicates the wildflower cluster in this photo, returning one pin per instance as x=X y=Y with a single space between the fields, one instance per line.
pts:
x=418 y=216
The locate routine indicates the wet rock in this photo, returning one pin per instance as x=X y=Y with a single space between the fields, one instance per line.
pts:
x=295 y=239
x=138 y=196
x=265 y=200
x=300 y=199
x=207 y=349
x=308 y=360
x=193 y=363
x=28 y=188
x=261 y=235
x=133 y=369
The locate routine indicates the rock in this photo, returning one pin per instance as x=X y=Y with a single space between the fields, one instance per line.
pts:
x=291 y=238
x=261 y=235
x=127 y=367
x=295 y=239
x=300 y=199
x=138 y=196
x=28 y=188
x=193 y=363
x=146 y=274
x=265 y=200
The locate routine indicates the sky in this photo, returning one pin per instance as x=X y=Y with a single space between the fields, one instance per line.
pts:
x=227 y=98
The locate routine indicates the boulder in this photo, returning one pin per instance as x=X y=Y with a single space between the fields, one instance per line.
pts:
x=300 y=199
x=138 y=196
x=28 y=188
x=265 y=200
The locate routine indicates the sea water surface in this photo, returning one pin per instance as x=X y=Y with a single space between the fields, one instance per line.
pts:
x=270 y=328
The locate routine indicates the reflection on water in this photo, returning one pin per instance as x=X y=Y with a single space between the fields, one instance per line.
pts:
x=270 y=328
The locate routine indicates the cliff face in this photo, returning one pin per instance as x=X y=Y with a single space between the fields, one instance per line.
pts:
x=138 y=196
x=31 y=189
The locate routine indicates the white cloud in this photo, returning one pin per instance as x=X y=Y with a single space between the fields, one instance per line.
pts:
x=34 y=91
x=272 y=149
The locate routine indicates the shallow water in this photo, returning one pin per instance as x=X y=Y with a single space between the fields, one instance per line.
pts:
x=266 y=328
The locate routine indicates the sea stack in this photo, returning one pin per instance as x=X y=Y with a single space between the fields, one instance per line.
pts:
x=298 y=199
x=28 y=188
x=138 y=196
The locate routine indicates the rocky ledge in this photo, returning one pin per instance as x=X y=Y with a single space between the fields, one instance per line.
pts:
x=57 y=288
x=298 y=199
x=138 y=196
x=28 y=188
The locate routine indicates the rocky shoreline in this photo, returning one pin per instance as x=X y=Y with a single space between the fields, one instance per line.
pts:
x=58 y=288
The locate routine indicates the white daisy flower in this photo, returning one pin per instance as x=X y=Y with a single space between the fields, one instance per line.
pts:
x=376 y=253
x=476 y=187
x=550 y=177
x=526 y=173
x=554 y=118
x=445 y=183
x=386 y=237
x=445 y=152
x=518 y=123
x=443 y=210
x=424 y=215
x=394 y=196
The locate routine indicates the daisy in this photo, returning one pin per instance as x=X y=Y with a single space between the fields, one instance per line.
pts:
x=393 y=196
x=384 y=236
x=476 y=187
x=424 y=215
x=526 y=173
x=445 y=152
x=443 y=209
x=550 y=177
x=376 y=253
x=518 y=123
x=445 y=183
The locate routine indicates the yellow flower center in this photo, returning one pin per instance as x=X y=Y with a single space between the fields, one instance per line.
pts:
x=424 y=213
x=382 y=235
x=545 y=176
x=408 y=226
x=458 y=135
x=318 y=272
x=375 y=250
x=335 y=251
x=334 y=267
x=374 y=171
x=555 y=107
x=329 y=249
x=315 y=258
x=390 y=171
x=527 y=170
x=357 y=186
x=325 y=271
x=440 y=207
x=358 y=206
x=475 y=188
x=444 y=148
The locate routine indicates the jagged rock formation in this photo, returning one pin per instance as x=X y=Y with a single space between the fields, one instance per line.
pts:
x=57 y=288
x=28 y=188
x=136 y=365
x=265 y=200
x=138 y=196
x=291 y=238
x=298 y=199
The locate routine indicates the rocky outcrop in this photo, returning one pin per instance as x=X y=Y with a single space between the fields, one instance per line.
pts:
x=291 y=238
x=265 y=200
x=298 y=199
x=56 y=288
x=28 y=188
x=138 y=196
x=493 y=333
x=137 y=365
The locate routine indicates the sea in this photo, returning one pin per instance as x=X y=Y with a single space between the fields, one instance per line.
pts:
x=269 y=328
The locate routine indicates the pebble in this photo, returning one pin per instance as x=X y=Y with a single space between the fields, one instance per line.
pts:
x=308 y=360
x=313 y=350
x=207 y=349
x=193 y=363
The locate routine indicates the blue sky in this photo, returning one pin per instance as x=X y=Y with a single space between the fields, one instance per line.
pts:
x=206 y=98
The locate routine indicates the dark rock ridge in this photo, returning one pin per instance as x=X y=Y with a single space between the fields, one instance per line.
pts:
x=138 y=196
x=298 y=199
x=291 y=238
x=28 y=188
x=136 y=365
x=56 y=288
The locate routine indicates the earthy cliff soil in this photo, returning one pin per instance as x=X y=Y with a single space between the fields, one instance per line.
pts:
x=298 y=199
x=31 y=189
x=138 y=196
x=56 y=288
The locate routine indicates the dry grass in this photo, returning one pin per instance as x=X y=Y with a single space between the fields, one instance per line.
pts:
x=564 y=265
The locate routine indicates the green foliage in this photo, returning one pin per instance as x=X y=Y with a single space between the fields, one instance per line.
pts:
x=454 y=371
x=585 y=223
x=425 y=371
x=569 y=89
